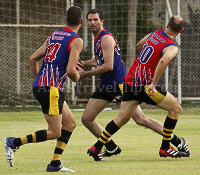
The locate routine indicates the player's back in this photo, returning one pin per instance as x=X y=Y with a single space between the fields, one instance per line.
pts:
x=143 y=69
x=53 y=71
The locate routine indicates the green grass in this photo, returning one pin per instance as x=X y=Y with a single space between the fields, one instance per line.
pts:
x=139 y=146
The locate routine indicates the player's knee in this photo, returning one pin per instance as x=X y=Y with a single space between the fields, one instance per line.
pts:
x=179 y=108
x=86 y=120
x=176 y=110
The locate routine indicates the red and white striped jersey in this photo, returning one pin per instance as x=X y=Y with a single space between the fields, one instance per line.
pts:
x=142 y=70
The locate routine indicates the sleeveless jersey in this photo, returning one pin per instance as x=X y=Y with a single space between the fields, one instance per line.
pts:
x=142 y=70
x=53 y=70
x=117 y=75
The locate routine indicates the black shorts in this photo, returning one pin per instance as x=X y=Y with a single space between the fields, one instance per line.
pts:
x=140 y=93
x=50 y=98
x=108 y=92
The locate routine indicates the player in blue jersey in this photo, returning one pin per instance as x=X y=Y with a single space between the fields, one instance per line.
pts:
x=60 y=55
x=111 y=69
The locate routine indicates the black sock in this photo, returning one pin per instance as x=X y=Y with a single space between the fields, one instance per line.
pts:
x=110 y=129
x=38 y=136
x=175 y=140
x=60 y=146
x=111 y=145
x=168 y=129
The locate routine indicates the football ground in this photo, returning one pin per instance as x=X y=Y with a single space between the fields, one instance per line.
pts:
x=139 y=154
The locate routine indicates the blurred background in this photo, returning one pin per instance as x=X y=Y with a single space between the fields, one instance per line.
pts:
x=26 y=24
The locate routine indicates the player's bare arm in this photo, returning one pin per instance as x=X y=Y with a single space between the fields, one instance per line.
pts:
x=141 y=43
x=168 y=54
x=75 y=50
x=38 y=55
x=108 y=44
x=89 y=63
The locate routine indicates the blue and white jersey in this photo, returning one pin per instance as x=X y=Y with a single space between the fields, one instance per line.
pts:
x=53 y=70
x=117 y=75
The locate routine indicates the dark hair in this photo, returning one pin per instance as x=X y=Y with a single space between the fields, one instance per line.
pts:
x=173 y=25
x=94 y=11
x=74 y=15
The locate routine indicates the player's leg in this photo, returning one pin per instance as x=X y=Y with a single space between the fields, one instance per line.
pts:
x=146 y=121
x=51 y=113
x=157 y=127
x=62 y=140
x=53 y=132
x=127 y=109
x=68 y=125
x=173 y=107
x=93 y=108
x=99 y=101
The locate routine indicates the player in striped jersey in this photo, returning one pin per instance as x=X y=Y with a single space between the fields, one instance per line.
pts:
x=157 y=50
x=60 y=52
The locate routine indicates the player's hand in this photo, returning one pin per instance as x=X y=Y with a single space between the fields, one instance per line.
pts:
x=82 y=75
x=81 y=72
x=151 y=90
x=80 y=61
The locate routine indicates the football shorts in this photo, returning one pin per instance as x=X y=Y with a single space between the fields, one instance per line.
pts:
x=109 y=92
x=140 y=93
x=50 y=98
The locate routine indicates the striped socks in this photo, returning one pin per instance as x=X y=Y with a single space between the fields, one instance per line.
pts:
x=110 y=129
x=168 y=129
x=38 y=136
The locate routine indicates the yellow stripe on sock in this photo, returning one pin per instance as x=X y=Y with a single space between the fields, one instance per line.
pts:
x=169 y=130
x=167 y=134
x=60 y=145
x=104 y=136
x=102 y=141
x=107 y=133
x=166 y=138
x=24 y=140
x=34 y=138
x=56 y=157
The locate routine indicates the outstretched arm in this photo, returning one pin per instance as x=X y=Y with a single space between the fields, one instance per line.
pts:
x=89 y=63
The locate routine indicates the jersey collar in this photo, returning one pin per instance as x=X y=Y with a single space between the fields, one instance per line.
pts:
x=68 y=30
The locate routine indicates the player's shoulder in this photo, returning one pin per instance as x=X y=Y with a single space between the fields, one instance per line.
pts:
x=104 y=32
x=171 y=49
x=77 y=42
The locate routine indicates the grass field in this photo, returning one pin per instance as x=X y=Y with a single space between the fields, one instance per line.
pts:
x=139 y=146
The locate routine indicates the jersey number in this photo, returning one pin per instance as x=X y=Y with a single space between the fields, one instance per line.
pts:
x=146 y=54
x=52 y=50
